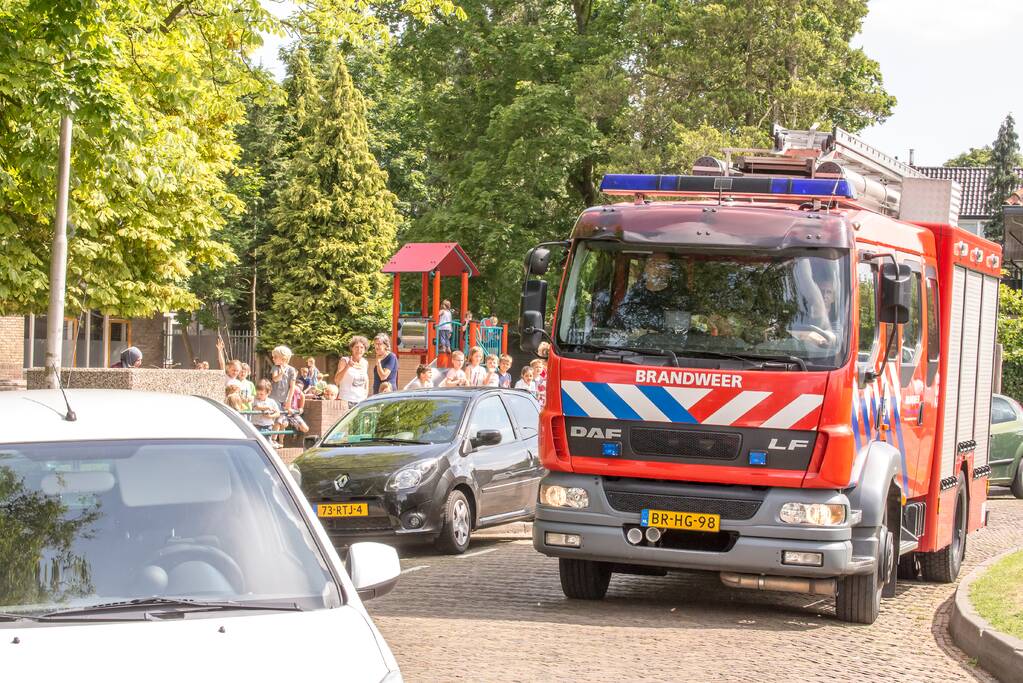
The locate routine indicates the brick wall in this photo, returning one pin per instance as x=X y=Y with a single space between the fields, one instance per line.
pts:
x=12 y=347
x=147 y=335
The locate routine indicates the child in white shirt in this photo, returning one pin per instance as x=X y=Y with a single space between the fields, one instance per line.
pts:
x=474 y=371
x=423 y=379
x=267 y=410
x=527 y=383
x=493 y=376
x=444 y=327
x=456 y=375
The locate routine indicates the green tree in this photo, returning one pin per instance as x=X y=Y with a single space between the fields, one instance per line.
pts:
x=156 y=90
x=1003 y=179
x=974 y=158
x=526 y=103
x=1010 y=335
x=334 y=220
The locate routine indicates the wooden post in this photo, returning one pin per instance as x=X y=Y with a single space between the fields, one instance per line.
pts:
x=504 y=338
x=395 y=307
x=474 y=335
x=425 y=308
x=431 y=352
x=464 y=304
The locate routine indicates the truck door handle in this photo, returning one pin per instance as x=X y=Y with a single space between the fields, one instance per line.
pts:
x=920 y=414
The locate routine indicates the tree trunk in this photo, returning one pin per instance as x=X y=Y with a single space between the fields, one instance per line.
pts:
x=187 y=339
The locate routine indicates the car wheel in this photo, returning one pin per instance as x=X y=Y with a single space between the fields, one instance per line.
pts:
x=858 y=599
x=943 y=566
x=584 y=579
x=457 y=530
x=1017 y=482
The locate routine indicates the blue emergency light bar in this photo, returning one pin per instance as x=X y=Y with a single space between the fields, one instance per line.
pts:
x=631 y=183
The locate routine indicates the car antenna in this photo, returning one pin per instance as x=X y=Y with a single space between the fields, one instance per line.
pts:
x=70 y=415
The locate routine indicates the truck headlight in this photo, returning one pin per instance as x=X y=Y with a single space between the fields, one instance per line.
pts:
x=564 y=497
x=813 y=514
x=409 y=477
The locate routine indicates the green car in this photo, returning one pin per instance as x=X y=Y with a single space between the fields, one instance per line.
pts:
x=1007 y=443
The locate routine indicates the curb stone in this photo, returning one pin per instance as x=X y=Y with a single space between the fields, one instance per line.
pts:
x=997 y=653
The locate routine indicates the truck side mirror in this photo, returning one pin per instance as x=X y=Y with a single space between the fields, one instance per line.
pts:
x=895 y=293
x=532 y=310
x=539 y=261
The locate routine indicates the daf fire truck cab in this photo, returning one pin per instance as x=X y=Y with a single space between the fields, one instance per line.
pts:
x=770 y=376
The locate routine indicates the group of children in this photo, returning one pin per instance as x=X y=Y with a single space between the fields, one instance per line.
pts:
x=485 y=370
x=275 y=405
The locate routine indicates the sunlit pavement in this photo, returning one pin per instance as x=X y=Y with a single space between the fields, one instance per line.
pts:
x=497 y=613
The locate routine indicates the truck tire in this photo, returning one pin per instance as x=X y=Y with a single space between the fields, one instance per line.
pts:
x=584 y=579
x=1017 y=482
x=909 y=567
x=858 y=599
x=943 y=565
x=457 y=530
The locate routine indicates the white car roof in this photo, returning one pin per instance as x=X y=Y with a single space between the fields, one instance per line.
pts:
x=106 y=414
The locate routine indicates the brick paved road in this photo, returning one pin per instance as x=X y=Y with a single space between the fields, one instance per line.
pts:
x=498 y=614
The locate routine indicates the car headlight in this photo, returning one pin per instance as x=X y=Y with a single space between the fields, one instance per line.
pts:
x=409 y=477
x=813 y=514
x=564 y=497
x=296 y=473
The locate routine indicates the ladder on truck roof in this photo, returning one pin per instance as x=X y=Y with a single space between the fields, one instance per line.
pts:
x=860 y=174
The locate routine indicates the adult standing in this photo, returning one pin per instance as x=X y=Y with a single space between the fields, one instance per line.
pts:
x=352 y=377
x=385 y=369
x=131 y=357
x=314 y=372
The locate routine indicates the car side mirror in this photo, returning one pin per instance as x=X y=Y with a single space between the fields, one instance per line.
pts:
x=485 y=437
x=374 y=568
x=895 y=292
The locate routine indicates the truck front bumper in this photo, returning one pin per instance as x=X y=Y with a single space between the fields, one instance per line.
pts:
x=757 y=544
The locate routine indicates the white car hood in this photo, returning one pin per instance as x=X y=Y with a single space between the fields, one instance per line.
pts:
x=322 y=644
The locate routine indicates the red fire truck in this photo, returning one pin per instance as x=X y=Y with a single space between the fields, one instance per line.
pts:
x=779 y=368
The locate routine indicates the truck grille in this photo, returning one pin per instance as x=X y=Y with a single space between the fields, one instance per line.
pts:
x=688 y=443
x=728 y=508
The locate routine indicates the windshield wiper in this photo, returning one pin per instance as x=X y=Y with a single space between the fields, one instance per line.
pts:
x=750 y=357
x=14 y=616
x=376 y=439
x=171 y=603
x=390 y=439
x=620 y=352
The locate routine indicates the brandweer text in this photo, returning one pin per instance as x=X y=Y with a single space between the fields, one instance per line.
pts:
x=687 y=377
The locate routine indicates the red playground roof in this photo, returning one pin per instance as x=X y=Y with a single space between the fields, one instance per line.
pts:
x=447 y=258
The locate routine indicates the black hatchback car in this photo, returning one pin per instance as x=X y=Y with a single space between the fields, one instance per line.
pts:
x=433 y=464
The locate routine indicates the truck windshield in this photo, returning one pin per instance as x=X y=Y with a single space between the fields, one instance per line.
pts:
x=791 y=304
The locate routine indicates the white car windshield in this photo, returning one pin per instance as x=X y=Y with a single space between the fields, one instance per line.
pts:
x=789 y=304
x=91 y=523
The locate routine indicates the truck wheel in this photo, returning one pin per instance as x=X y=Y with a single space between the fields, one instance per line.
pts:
x=858 y=599
x=457 y=529
x=943 y=565
x=1017 y=483
x=584 y=579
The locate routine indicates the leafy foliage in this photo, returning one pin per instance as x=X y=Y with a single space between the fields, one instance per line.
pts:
x=1010 y=335
x=526 y=103
x=37 y=536
x=334 y=221
x=974 y=158
x=1003 y=180
x=156 y=92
